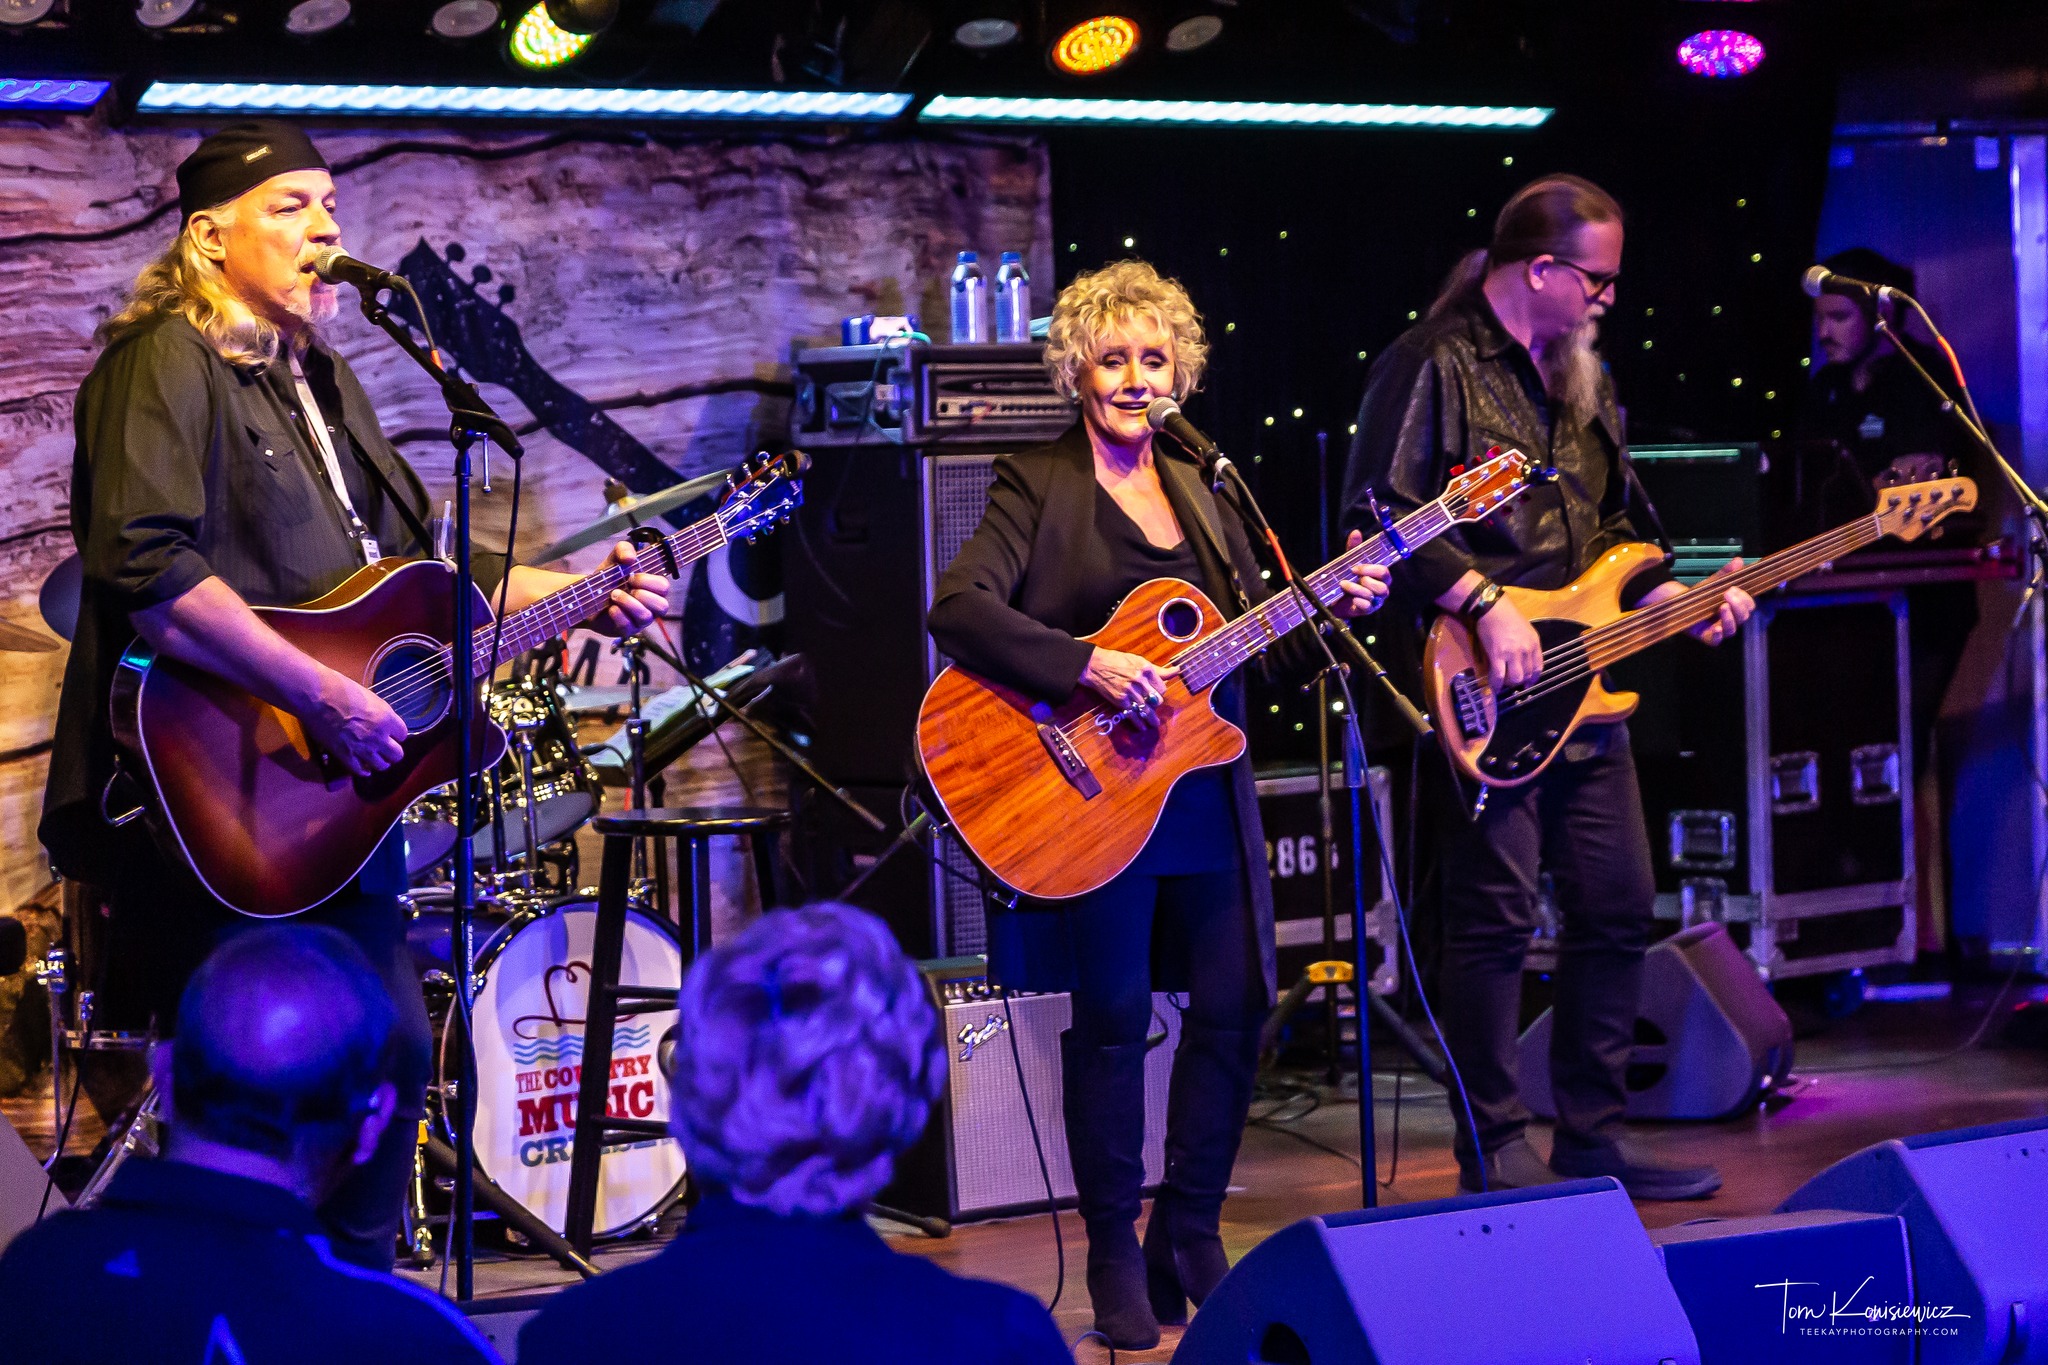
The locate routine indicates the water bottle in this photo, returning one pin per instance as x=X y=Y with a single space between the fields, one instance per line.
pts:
x=1013 y=300
x=970 y=300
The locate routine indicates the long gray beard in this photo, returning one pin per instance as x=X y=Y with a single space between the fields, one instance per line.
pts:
x=1571 y=370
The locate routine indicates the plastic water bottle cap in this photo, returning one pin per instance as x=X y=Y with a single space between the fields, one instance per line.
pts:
x=969 y=257
x=1013 y=256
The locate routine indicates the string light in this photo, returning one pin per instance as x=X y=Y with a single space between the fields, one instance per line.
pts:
x=60 y=94
x=524 y=101
x=1224 y=113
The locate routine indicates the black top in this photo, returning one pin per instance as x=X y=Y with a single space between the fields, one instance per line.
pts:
x=184 y=1265
x=1446 y=391
x=1893 y=414
x=186 y=468
x=1195 y=831
x=744 y=1284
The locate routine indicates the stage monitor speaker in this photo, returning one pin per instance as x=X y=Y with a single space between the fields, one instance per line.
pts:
x=1710 y=1041
x=22 y=1187
x=976 y=1158
x=1554 y=1274
x=1793 y=1287
x=1975 y=1204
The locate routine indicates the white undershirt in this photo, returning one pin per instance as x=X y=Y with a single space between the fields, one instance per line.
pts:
x=323 y=437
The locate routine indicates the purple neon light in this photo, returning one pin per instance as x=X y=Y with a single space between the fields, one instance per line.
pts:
x=1721 y=53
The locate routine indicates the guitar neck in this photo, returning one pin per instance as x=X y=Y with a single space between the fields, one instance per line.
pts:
x=577 y=603
x=1638 y=630
x=1209 y=661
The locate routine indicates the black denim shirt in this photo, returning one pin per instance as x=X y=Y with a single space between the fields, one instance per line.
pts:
x=188 y=468
x=1446 y=391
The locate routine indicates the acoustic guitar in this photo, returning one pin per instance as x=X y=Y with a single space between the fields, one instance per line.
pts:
x=1507 y=740
x=271 y=825
x=1056 y=800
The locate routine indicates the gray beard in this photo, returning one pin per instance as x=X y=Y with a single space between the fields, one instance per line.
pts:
x=1571 y=370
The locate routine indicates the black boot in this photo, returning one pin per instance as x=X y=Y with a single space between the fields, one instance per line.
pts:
x=1206 y=1104
x=1104 y=1091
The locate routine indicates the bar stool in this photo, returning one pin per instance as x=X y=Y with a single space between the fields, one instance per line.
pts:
x=692 y=829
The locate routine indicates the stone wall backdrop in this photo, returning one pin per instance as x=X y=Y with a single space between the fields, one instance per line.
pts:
x=630 y=300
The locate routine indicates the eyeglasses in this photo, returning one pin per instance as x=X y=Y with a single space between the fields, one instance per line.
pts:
x=1601 y=281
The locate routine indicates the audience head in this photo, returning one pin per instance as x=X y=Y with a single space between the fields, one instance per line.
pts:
x=281 y=1055
x=1844 y=328
x=809 y=1057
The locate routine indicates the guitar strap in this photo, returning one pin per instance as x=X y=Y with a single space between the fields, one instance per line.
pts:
x=1633 y=491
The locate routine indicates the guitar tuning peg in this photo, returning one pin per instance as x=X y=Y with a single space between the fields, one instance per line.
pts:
x=1456 y=470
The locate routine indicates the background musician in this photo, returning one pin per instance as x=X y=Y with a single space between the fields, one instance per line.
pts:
x=1506 y=356
x=1069 y=530
x=228 y=457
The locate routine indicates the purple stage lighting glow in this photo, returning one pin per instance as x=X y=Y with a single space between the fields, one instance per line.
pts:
x=1721 y=53
x=18 y=93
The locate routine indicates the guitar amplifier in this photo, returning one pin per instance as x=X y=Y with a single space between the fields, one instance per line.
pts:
x=976 y=1158
x=920 y=394
x=1708 y=498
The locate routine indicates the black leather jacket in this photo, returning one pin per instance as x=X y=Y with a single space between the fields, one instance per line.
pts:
x=1447 y=390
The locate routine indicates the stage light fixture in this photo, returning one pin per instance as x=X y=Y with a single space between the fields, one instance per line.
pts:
x=57 y=94
x=460 y=19
x=22 y=13
x=537 y=43
x=1096 y=45
x=986 y=34
x=1220 y=113
x=586 y=17
x=525 y=101
x=1197 y=30
x=309 y=17
x=1721 y=53
x=160 y=14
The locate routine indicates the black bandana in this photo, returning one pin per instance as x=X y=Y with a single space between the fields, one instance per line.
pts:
x=240 y=157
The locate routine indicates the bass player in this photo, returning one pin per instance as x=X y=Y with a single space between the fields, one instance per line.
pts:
x=1505 y=356
x=228 y=457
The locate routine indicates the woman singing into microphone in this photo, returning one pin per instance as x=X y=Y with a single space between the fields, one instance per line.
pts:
x=1070 y=529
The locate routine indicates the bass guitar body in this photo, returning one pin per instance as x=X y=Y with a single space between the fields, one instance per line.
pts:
x=1507 y=749
x=1057 y=800
x=235 y=787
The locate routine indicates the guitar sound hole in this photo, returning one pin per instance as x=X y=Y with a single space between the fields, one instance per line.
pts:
x=413 y=677
x=1180 y=619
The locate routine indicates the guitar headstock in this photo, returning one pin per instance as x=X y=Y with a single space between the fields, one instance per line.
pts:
x=765 y=490
x=1477 y=493
x=1908 y=509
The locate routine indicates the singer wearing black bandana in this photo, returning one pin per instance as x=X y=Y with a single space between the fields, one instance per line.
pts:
x=227 y=457
x=1506 y=356
x=1070 y=529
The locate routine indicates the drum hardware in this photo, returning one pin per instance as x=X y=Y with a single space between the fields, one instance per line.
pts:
x=143 y=1136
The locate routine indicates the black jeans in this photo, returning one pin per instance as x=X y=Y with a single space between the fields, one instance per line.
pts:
x=163 y=924
x=1112 y=935
x=1582 y=821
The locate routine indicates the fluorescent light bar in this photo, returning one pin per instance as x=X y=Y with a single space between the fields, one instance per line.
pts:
x=27 y=94
x=514 y=100
x=1001 y=109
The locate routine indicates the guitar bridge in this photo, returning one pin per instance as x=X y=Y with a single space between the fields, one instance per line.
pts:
x=1470 y=703
x=1068 y=760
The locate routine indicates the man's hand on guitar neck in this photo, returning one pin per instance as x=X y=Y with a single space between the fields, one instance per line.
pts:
x=630 y=610
x=1736 y=607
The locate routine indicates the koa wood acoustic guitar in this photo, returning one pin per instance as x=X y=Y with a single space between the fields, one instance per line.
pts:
x=1056 y=800
x=1507 y=740
x=273 y=827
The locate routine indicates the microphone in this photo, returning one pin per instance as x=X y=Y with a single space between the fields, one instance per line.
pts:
x=1820 y=280
x=1164 y=415
x=336 y=266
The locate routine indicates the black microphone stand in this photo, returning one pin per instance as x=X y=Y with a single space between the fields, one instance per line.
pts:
x=470 y=420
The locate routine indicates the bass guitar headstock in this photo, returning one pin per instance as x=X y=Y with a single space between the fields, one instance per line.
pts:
x=1907 y=510
x=1477 y=493
x=764 y=491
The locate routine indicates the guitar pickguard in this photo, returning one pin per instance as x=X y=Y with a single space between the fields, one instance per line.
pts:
x=1525 y=736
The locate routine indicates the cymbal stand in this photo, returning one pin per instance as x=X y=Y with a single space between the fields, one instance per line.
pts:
x=630 y=648
x=524 y=723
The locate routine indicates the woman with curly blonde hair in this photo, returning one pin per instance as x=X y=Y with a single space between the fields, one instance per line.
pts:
x=1071 y=528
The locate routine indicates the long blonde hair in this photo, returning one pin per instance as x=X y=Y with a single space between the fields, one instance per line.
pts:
x=183 y=280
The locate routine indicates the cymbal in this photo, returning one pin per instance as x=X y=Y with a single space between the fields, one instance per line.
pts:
x=21 y=640
x=58 y=599
x=637 y=513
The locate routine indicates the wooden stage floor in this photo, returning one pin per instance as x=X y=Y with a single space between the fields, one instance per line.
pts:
x=1889 y=1071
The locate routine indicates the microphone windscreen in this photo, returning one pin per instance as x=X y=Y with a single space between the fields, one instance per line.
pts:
x=1815 y=278
x=1160 y=410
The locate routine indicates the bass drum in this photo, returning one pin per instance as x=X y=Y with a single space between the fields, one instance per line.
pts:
x=534 y=977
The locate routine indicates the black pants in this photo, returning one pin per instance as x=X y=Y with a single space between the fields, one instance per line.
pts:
x=1112 y=933
x=163 y=924
x=1582 y=821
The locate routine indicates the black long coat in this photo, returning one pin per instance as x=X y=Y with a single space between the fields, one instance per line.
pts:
x=1010 y=607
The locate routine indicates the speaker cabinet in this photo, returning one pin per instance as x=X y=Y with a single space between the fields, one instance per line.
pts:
x=1560 y=1273
x=976 y=1158
x=1710 y=1041
x=1794 y=1287
x=1975 y=1204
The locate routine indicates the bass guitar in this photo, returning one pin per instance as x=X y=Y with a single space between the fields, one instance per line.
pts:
x=1507 y=740
x=271 y=826
x=1056 y=800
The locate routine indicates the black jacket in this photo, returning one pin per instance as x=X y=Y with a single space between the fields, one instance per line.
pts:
x=1448 y=389
x=1029 y=580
